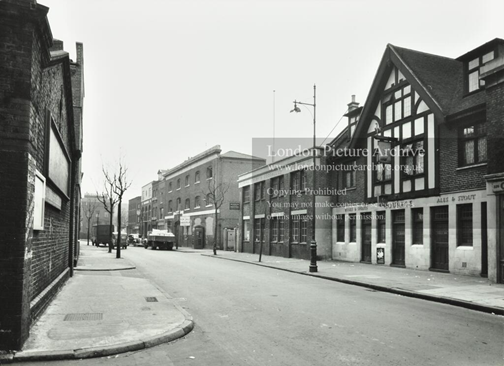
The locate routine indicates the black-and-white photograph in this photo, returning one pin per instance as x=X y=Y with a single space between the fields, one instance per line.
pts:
x=251 y=182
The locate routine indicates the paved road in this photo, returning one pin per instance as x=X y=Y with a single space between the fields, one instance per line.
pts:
x=249 y=315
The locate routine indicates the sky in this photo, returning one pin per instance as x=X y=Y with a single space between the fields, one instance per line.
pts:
x=166 y=79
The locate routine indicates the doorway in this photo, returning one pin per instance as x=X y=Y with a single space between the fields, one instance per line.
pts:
x=366 y=237
x=398 y=238
x=199 y=237
x=439 y=251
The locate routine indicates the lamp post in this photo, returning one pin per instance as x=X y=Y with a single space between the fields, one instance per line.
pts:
x=313 y=244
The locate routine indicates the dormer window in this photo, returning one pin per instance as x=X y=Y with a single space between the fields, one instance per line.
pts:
x=473 y=67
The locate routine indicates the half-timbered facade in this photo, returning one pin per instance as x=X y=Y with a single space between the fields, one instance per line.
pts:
x=421 y=199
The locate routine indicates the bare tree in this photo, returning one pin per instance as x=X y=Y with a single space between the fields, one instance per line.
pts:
x=108 y=199
x=216 y=194
x=121 y=184
x=88 y=214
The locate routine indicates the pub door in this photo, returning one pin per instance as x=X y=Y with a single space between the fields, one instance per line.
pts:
x=366 y=238
x=398 y=236
x=439 y=242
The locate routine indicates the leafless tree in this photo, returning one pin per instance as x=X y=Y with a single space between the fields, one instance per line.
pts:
x=108 y=199
x=88 y=214
x=216 y=194
x=121 y=185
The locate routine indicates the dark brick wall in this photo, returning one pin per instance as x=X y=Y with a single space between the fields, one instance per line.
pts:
x=450 y=177
x=495 y=128
x=29 y=86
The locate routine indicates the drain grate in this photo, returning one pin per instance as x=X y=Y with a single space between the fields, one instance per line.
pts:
x=83 y=317
x=151 y=299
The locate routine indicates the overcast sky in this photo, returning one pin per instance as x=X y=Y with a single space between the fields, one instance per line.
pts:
x=165 y=80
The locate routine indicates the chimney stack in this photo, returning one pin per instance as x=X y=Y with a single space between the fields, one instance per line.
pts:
x=353 y=104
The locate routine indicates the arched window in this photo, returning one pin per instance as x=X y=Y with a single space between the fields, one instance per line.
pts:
x=178 y=183
x=209 y=172
x=196 y=177
x=187 y=204
x=197 y=201
x=187 y=180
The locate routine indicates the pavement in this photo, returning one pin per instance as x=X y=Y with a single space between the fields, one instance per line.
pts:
x=108 y=307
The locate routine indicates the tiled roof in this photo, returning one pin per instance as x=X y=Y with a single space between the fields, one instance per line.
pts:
x=442 y=77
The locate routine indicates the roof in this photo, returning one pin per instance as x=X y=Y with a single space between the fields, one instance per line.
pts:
x=237 y=155
x=438 y=80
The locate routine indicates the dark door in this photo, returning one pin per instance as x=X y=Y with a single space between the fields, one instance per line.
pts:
x=484 y=241
x=366 y=237
x=439 y=255
x=500 y=269
x=199 y=237
x=177 y=234
x=398 y=235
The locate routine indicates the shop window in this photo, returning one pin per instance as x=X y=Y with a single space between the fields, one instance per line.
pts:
x=417 y=225
x=472 y=144
x=340 y=228
x=465 y=225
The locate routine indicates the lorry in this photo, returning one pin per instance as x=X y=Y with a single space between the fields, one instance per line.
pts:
x=159 y=239
x=101 y=234
x=124 y=240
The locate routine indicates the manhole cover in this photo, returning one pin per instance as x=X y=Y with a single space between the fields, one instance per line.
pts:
x=83 y=317
x=151 y=299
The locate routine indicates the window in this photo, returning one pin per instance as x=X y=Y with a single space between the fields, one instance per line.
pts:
x=295 y=228
x=397 y=105
x=381 y=226
x=280 y=229
x=170 y=187
x=464 y=225
x=413 y=159
x=187 y=181
x=473 y=144
x=179 y=204
x=417 y=225
x=246 y=230
x=187 y=204
x=274 y=187
x=304 y=180
x=209 y=199
x=349 y=176
x=262 y=190
x=304 y=229
x=257 y=191
x=340 y=228
x=209 y=172
x=259 y=230
x=246 y=194
x=274 y=229
x=353 y=228
x=473 y=66
x=197 y=202
x=161 y=210
x=281 y=186
x=196 y=177
x=178 y=183
x=170 y=206
x=295 y=181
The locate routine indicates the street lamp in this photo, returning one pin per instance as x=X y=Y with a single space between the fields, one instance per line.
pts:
x=313 y=245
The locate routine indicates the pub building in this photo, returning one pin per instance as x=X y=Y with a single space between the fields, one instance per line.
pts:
x=419 y=168
x=428 y=136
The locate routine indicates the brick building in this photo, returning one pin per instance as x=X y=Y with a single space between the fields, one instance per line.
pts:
x=181 y=199
x=433 y=201
x=278 y=215
x=41 y=99
x=134 y=215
